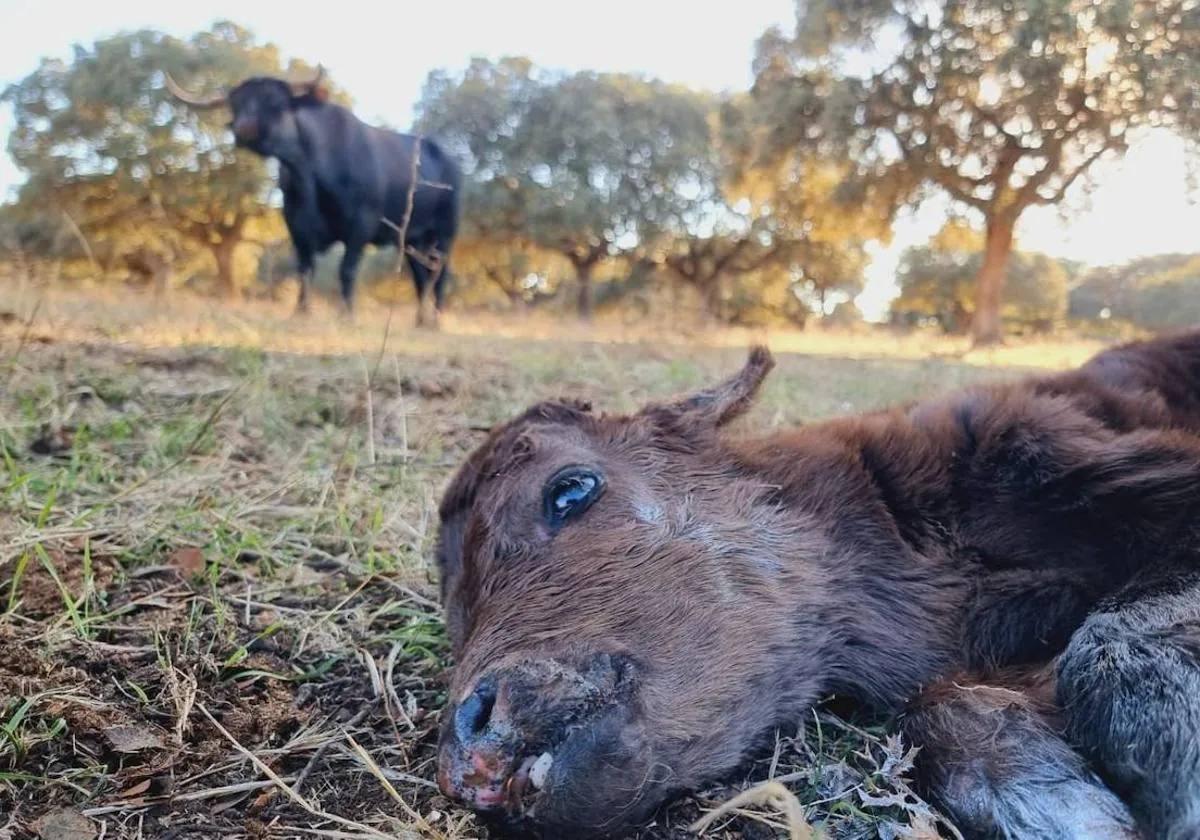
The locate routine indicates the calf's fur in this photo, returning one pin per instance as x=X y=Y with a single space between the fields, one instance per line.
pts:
x=1014 y=567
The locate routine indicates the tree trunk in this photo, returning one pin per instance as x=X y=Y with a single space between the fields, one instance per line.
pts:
x=583 y=275
x=713 y=299
x=223 y=254
x=989 y=283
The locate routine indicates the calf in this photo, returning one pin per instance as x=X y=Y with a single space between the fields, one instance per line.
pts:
x=636 y=602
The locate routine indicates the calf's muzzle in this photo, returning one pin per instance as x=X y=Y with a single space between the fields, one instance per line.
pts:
x=500 y=735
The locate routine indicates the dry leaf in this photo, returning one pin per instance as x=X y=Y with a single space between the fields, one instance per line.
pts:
x=132 y=739
x=64 y=824
x=137 y=790
x=189 y=561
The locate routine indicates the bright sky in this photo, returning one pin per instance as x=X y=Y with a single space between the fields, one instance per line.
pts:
x=381 y=53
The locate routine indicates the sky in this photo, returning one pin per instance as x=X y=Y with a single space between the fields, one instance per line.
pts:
x=380 y=53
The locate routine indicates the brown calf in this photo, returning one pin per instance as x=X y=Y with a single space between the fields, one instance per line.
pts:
x=636 y=601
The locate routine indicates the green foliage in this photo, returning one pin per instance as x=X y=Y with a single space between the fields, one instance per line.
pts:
x=587 y=166
x=937 y=286
x=1171 y=303
x=999 y=104
x=601 y=172
x=1157 y=293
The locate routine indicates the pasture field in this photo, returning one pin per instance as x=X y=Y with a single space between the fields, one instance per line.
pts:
x=217 y=613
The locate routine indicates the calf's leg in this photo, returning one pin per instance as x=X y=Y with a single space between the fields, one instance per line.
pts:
x=1129 y=687
x=992 y=761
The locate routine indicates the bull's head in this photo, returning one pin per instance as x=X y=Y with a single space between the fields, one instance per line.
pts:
x=619 y=605
x=261 y=107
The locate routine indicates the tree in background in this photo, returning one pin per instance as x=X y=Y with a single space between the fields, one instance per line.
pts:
x=1001 y=104
x=587 y=166
x=641 y=178
x=1108 y=292
x=937 y=284
x=774 y=229
x=1157 y=293
x=143 y=177
x=1169 y=300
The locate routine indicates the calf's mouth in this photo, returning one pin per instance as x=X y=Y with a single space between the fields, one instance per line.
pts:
x=523 y=736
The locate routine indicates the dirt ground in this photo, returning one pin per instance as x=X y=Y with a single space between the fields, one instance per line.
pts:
x=217 y=612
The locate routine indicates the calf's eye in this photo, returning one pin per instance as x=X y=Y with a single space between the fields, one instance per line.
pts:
x=571 y=492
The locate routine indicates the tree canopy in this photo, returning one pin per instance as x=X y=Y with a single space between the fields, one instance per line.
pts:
x=999 y=104
x=613 y=169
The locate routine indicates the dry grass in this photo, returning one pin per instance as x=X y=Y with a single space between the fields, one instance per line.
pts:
x=217 y=617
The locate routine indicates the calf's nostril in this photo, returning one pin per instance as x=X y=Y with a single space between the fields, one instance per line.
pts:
x=475 y=713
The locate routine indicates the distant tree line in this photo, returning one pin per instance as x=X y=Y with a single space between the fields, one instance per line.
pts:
x=1155 y=293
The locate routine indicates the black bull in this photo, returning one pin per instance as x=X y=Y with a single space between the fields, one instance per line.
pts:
x=345 y=181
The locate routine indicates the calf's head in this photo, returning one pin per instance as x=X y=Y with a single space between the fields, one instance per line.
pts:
x=619 y=611
x=262 y=109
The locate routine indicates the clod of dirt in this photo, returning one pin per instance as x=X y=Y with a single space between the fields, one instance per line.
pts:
x=133 y=739
x=53 y=440
x=429 y=389
x=64 y=824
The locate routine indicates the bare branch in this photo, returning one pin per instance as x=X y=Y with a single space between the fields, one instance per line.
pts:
x=1061 y=192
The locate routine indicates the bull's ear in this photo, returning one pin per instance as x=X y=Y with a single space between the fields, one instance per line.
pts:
x=723 y=402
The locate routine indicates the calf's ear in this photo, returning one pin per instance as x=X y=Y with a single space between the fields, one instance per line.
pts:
x=723 y=402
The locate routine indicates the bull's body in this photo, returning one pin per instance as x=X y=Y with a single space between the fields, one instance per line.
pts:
x=346 y=181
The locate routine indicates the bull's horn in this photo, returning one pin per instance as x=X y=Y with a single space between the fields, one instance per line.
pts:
x=299 y=88
x=192 y=99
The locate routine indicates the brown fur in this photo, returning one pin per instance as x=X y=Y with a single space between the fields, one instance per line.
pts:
x=742 y=579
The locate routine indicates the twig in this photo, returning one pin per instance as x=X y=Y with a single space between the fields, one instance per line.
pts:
x=192 y=796
x=24 y=339
x=767 y=793
x=366 y=759
x=403 y=407
x=324 y=748
x=370 y=411
x=437 y=185
x=87 y=247
x=390 y=698
x=283 y=786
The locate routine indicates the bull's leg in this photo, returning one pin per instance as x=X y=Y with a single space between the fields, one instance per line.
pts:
x=439 y=285
x=304 y=261
x=421 y=276
x=995 y=764
x=1129 y=685
x=302 y=305
x=304 y=226
x=347 y=272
